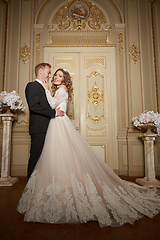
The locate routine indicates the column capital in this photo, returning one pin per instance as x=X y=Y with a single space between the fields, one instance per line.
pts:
x=8 y=116
x=39 y=27
x=120 y=27
x=148 y=138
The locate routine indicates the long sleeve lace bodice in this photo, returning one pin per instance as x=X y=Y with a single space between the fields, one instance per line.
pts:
x=60 y=99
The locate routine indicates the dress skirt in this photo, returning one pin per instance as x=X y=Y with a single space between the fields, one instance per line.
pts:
x=71 y=184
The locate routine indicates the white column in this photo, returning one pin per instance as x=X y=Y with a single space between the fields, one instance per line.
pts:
x=6 y=179
x=149 y=180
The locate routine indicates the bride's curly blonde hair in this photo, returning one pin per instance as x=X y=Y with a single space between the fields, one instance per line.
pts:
x=66 y=81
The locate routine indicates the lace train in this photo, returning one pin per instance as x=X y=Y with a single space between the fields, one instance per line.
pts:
x=82 y=203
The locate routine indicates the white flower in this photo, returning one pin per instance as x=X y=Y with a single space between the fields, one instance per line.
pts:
x=147 y=117
x=12 y=100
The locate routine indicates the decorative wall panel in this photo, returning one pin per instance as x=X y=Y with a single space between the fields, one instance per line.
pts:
x=92 y=132
x=95 y=94
x=96 y=60
x=57 y=61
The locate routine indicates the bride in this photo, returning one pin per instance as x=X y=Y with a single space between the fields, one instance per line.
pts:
x=71 y=184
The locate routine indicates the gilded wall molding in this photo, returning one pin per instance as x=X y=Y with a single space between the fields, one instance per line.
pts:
x=24 y=53
x=38 y=35
x=41 y=8
x=38 y=46
x=5 y=44
x=17 y=128
x=120 y=41
x=21 y=123
x=152 y=2
x=78 y=40
x=117 y=9
x=134 y=53
x=20 y=129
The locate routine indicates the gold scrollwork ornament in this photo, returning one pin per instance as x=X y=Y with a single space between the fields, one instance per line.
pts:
x=95 y=96
x=134 y=53
x=79 y=24
x=24 y=53
x=120 y=40
x=96 y=118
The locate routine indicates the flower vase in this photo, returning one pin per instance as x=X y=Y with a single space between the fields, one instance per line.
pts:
x=149 y=127
x=6 y=109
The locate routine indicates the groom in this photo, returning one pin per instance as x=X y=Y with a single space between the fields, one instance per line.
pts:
x=40 y=113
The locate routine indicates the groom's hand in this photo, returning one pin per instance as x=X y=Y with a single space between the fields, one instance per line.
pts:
x=59 y=113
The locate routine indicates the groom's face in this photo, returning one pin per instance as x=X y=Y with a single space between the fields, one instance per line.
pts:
x=46 y=74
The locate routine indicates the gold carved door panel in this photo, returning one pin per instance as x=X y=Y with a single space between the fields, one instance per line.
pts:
x=96 y=123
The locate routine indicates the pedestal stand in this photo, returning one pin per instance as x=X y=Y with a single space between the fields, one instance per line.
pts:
x=6 y=179
x=149 y=180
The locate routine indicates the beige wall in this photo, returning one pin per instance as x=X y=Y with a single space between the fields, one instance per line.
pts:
x=137 y=81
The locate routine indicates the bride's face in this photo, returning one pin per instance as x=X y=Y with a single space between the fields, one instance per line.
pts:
x=58 y=78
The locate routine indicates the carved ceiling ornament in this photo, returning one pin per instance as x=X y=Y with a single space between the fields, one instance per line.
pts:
x=79 y=15
x=79 y=23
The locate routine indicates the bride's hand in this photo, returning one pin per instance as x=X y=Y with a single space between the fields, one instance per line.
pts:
x=59 y=113
x=46 y=86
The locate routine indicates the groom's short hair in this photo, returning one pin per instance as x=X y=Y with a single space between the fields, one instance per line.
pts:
x=41 y=65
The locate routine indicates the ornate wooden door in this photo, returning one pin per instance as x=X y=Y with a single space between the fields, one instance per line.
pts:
x=93 y=111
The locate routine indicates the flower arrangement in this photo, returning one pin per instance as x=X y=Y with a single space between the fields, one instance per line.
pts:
x=12 y=100
x=145 y=118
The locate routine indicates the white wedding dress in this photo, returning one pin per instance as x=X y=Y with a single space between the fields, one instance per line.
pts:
x=71 y=184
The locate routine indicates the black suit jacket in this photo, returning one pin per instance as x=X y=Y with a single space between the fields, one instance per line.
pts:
x=39 y=108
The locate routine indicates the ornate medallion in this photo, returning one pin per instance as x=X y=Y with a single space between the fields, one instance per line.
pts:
x=95 y=96
x=78 y=10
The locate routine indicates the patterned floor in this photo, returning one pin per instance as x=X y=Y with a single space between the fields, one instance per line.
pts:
x=12 y=226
